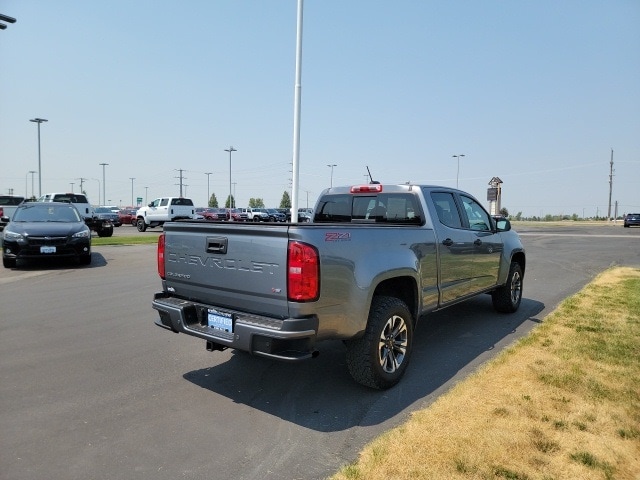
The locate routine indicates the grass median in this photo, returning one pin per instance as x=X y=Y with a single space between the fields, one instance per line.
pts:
x=562 y=403
x=125 y=240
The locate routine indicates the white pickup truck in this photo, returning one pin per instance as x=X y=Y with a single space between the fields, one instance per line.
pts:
x=8 y=205
x=255 y=214
x=164 y=209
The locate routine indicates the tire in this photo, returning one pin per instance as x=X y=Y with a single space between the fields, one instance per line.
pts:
x=506 y=299
x=141 y=225
x=380 y=357
x=9 y=262
x=105 y=232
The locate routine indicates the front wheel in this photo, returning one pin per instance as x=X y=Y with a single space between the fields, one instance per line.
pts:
x=380 y=357
x=105 y=231
x=141 y=225
x=506 y=299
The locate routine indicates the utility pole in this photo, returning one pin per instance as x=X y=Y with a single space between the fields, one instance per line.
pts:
x=208 y=194
x=181 y=179
x=610 y=184
x=132 y=179
x=81 y=183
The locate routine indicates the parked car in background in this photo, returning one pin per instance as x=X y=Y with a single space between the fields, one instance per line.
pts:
x=52 y=229
x=127 y=216
x=8 y=205
x=105 y=213
x=256 y=214
x=223 y=214
x=304 y=216
x=213 y=213
x=286 y=212
x=276 y=216
x=164 y=209
x=237 y=215
x=632 y=219
x=103 y=227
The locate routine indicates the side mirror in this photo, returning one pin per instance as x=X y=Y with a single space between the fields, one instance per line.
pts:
x=4 y=219
x=503 y=225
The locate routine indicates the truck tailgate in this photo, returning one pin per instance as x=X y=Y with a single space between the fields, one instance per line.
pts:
x=228 y=265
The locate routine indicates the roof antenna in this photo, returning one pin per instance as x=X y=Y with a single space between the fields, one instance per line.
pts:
x=372 y=181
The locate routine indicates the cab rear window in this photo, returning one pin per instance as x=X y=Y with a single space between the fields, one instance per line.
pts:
x=393 y=208
x=70 y=197
x=182 y=201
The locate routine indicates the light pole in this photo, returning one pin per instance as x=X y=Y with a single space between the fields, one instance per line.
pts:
x=230 y=149
x=132 y=179
x=39 y=121
x=104 y=184
x=458 y=174
x=208 y=194
x=72 y=184
x=146 y=193
x=331 y=167
x=32 y=172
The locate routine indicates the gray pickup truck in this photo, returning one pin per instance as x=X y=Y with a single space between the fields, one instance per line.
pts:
x=374 y=259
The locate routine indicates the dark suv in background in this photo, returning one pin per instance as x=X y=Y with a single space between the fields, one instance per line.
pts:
x=632 y=219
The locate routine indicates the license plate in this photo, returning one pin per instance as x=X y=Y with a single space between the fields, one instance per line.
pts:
x=47 y=249
x=220 y=321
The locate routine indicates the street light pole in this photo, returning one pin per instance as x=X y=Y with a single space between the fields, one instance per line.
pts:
x=331 y=167
x=458 y=174
x=39 y=121
x=104 y=184
x=208 y=194
x=132 y=179
x=230 y=149
x=32 y=172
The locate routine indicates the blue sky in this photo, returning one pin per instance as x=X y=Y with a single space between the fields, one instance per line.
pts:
x=534 y=92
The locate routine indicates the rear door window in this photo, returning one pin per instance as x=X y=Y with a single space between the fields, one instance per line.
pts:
x=446 y=209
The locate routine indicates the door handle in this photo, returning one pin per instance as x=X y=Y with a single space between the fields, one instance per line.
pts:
x=447 y=242
x=216 y=245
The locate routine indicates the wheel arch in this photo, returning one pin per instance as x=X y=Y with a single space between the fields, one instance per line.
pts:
x=404 y=288
x=520 y=258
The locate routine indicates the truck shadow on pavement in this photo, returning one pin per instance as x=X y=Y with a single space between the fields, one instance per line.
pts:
x=320 y=394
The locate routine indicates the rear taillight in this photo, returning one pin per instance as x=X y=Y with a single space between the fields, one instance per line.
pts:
x=160 y=256
x=1 y=211
x=303 y=273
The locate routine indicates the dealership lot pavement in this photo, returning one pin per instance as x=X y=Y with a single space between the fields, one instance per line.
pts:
x=90 y=388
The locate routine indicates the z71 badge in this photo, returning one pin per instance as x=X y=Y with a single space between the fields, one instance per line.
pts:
x=337 y=236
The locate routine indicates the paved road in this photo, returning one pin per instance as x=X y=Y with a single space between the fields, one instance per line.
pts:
x=90 y=388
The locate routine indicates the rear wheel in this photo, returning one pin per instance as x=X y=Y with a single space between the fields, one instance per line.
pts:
x=506 y=299
x=380 y=358
x=141 y=225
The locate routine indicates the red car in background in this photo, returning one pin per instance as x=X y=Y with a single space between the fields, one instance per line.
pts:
x=127 y=216
x=212 y=213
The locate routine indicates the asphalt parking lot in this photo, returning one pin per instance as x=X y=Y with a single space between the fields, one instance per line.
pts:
x=91 y=388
